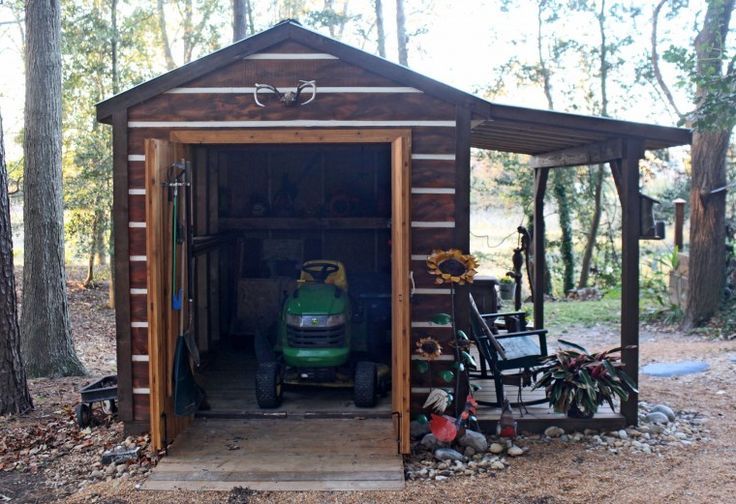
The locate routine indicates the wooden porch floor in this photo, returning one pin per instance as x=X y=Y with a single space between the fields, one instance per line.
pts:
x=285 y=454
x=539 y=416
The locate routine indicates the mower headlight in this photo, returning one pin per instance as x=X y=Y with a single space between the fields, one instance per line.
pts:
x=334 y=320
x=315 y=321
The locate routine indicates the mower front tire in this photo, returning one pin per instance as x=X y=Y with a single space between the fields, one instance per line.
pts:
x=365 y=392
x=269 y=385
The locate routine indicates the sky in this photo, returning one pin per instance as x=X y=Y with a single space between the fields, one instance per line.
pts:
x=464 y=43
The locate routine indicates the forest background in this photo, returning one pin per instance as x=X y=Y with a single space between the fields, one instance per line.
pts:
x=617 y=58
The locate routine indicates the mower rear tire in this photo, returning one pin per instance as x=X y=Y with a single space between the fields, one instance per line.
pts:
x=269 y=385
x=365 y=392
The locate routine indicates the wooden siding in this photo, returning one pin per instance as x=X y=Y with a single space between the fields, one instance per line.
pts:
x=433 y=178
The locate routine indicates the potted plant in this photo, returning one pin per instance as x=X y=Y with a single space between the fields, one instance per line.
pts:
x=507 y=288
x=577 y=382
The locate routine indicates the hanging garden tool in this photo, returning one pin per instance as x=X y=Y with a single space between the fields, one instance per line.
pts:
x=188 y=395
x=177 y=294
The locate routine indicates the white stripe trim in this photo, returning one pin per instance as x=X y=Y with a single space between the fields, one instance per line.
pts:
x=303 y=123
x=134 y=224
x=419 y=257
x=324 y=89
x=144 y=358
x=427 y=390
x=430 y=291
x=291 y=56
x=433 y=190
x=138 y=258
x=443 y=157
x=138 y=291
x=136 y=157
x=441 y=358
x=139 y=324
x=137 y=192
x=432 y=224
x=428 y=325
x=142 y=391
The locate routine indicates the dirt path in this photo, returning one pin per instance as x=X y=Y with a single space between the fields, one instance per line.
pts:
x=553 y=472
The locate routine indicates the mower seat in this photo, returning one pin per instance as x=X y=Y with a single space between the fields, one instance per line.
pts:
x=338 y=278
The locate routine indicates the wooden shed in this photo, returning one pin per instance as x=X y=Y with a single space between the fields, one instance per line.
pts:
x=402 y=139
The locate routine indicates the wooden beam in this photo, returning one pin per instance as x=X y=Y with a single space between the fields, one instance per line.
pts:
x=630 y=217
x=291 y=136
x=540 y=187
x=594 y=153
x=121 y=265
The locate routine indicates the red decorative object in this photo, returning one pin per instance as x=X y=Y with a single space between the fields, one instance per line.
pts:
x=443 y=427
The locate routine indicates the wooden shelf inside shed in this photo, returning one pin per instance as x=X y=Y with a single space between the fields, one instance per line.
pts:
x=306 y=223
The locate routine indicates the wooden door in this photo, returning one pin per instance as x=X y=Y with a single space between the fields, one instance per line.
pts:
x=163 y=322
x=400 y=312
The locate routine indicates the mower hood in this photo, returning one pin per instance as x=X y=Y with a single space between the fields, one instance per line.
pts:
x=317 y=299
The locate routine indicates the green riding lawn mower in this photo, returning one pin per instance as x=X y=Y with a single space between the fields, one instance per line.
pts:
x=327 y=337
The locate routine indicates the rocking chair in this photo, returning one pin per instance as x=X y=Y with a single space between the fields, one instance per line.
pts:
x=518 y=349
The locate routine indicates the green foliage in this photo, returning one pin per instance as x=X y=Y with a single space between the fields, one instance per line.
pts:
x=578 y=378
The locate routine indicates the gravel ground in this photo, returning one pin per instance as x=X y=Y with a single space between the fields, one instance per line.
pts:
x=550 y=471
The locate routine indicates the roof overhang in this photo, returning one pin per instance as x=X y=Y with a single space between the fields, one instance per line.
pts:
x=532 y=131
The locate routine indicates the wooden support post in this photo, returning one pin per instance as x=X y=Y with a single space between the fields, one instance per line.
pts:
x=630 y=216
x=462 y=207
x=540 y=187
x=679 y=222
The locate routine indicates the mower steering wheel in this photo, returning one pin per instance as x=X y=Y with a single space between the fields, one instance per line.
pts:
x=320 y=270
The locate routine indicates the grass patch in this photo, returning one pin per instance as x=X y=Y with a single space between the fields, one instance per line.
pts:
x=560 y=315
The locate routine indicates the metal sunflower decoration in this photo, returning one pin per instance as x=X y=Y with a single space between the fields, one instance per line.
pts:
x=429 y=348
x=452 y=266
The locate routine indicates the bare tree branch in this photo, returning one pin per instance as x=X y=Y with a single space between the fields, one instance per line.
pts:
x=655 y=61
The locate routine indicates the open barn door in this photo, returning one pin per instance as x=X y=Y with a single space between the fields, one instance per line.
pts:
x=400 y=313
x=168 y=309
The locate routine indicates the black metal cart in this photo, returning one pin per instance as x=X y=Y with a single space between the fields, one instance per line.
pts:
x=103 y=390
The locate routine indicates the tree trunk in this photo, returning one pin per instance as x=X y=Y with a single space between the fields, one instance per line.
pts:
x=562 y=198
x=249 y=13
x=238 y=20
x=14 y=395
x=168 y=56
x=381 y=33
x=595 y=222
x=115 y=90
x=707 y=257
x=90 y=278
x=46 y=334
x=403 y=39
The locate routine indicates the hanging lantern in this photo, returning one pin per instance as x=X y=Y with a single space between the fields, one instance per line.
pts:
x=421 y=419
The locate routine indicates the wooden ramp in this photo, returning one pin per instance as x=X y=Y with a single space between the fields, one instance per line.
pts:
x=282 y=454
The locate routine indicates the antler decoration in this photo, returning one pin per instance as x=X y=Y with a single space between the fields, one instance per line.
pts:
x=290 y=98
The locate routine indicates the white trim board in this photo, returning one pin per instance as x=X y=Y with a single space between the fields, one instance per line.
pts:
x=432 y=224
x=303 y=123
x=134 y=224
x=142 y=358
x=136 y=192
x=428 y=325
x=291 y=56
x=323 y=89
x=430 y=291
x=141 y=325
x=444 y=357
x=138 y=258
x=136 y=157
x=138 y=292
x=433 y=157
x=142 y=390
x=433 y=190
x=419 y=257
